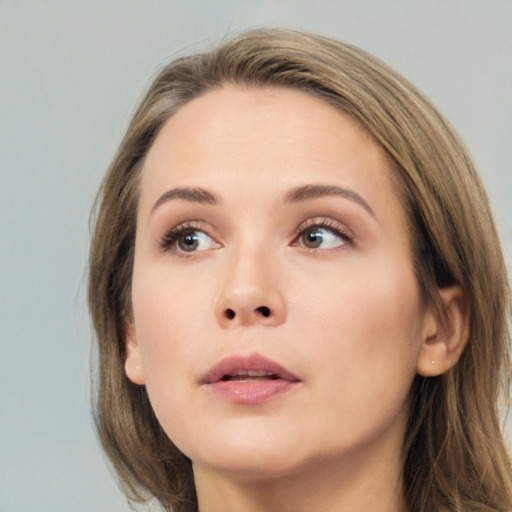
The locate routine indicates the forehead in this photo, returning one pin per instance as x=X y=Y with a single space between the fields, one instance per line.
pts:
x=241 y=118
x=238 y=139
x=297 y=112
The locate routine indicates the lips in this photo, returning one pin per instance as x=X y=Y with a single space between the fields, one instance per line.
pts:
x=249 y=379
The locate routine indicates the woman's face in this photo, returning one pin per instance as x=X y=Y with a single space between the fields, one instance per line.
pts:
x=277 y=321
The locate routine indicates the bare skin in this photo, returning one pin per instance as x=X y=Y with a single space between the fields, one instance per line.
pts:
x=322 y=487
x=268 y=230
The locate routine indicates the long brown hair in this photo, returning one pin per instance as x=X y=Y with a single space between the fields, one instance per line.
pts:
x=455 y=458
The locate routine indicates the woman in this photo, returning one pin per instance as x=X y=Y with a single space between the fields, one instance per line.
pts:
x=298 y=291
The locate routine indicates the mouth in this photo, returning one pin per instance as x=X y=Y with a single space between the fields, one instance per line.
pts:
x=249 y=376
x=248 y=380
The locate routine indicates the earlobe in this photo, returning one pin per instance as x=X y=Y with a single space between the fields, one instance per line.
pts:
x=133 y=366
x=447 y=333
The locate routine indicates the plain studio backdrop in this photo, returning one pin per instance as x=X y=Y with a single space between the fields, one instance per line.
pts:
x=71 y=73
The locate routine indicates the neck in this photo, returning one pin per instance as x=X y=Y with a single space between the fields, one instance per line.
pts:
x=355 y=484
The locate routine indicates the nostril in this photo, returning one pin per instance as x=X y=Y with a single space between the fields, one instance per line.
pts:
x=264 y=311
x=230 y=314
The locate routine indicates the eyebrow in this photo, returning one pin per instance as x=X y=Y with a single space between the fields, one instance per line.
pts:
x=193 y=195
x=296 y=195
x=308 y=192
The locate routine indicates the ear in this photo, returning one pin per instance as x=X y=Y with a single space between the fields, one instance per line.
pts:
x=446 y=333
x=133 y=366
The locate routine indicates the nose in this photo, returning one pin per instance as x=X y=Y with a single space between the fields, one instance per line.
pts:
x=250 y=293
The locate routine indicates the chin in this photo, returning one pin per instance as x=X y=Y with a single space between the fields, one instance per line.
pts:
x=253 y=466
x=258 y=456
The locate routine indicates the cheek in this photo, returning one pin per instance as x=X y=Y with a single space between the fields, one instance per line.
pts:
x=361 y=339
x=170 y=319
x=364 y=328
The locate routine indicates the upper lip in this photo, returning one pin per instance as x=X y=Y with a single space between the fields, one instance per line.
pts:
x=239 y=364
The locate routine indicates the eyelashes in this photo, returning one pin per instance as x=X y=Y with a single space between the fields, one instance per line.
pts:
x=186 y=238
x=190 y=238
x=322 y=233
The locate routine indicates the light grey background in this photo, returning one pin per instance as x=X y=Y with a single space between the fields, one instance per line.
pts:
x=70 y=75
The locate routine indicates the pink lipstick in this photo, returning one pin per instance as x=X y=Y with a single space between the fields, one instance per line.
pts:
x=248 y=380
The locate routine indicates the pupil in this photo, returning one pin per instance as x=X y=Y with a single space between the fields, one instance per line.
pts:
x=188 y=242
x=313 y=239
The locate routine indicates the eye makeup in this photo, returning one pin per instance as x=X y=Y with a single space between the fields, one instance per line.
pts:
x=187 y=238
x=316 y=233
x=322 y=233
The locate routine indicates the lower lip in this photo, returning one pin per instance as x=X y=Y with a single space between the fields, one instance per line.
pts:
x=251 y=392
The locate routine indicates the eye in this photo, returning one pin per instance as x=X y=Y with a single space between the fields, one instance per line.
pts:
x=187 y=239
x=324 y=235
x=194 y=241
